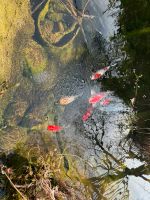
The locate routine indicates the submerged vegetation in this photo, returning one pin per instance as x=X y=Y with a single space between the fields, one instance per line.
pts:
x=31 y=173
x=60 y=22
x=35 y=58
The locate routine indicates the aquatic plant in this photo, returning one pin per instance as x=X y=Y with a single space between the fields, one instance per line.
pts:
x=31 y=173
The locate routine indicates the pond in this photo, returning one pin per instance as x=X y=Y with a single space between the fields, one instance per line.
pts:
x=75 y=98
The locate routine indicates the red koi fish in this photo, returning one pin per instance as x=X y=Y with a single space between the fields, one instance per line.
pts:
x=99 y=73
x=54 y=128
x=106 y=102
x=88 y=113
x=97 y=97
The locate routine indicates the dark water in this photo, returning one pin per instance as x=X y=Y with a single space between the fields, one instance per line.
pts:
x=114 y=143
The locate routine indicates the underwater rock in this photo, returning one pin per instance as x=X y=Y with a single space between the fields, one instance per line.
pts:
x=35 y=57
x=51 y=23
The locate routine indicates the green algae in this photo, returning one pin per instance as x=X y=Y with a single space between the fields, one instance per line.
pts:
x=145 y=30
x=11 y=138
x=14 y=15
x=69 y=53
x=35 y=57
x=16 y=21
x=52 y=17
x=42 y=169
x=54 y=12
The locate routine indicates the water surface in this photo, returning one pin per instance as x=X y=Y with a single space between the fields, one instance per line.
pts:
x=111 y=148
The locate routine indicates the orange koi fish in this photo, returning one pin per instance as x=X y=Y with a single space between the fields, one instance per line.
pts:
x=88 y=113
x=106 y=102
x=54 y=128
x=97 y=97
x=99 y=73
x=68 y=99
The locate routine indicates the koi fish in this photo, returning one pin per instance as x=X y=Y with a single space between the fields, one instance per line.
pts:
x=97 y=97
x=88 y=113
x=99 y=73
x=106 y=102
x=54 y=128
x=68 y=99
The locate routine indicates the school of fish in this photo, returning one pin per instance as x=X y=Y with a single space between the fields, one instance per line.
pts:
x=93 y=100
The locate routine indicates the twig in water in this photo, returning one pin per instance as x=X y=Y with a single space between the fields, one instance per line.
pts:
x=37 y=7
x=3 y=172
x=77 y=15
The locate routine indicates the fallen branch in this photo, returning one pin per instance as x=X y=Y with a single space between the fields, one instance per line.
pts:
x=23 y=197
x=37 y=7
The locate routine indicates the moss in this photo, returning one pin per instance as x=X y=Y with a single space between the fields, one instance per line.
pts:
x=42 y=175
x=13 y=15
x=69 y=53
x=16 y=22
x=35 y=57
x=60 y=35
x=45 y=10
x=51 y=23
x=11 y=138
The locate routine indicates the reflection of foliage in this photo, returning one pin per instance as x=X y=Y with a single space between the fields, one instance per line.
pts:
x=113 y=182
x=132 y=81
x=138 y=44
x=141 y=138
x=134 y=33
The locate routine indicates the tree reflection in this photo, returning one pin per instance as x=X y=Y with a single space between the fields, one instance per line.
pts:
x=113 y=182
x=114 y=161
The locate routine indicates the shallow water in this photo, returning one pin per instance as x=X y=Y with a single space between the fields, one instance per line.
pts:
x=111 y=148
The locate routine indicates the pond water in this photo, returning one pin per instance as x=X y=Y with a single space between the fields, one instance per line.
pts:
x=72 y=41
